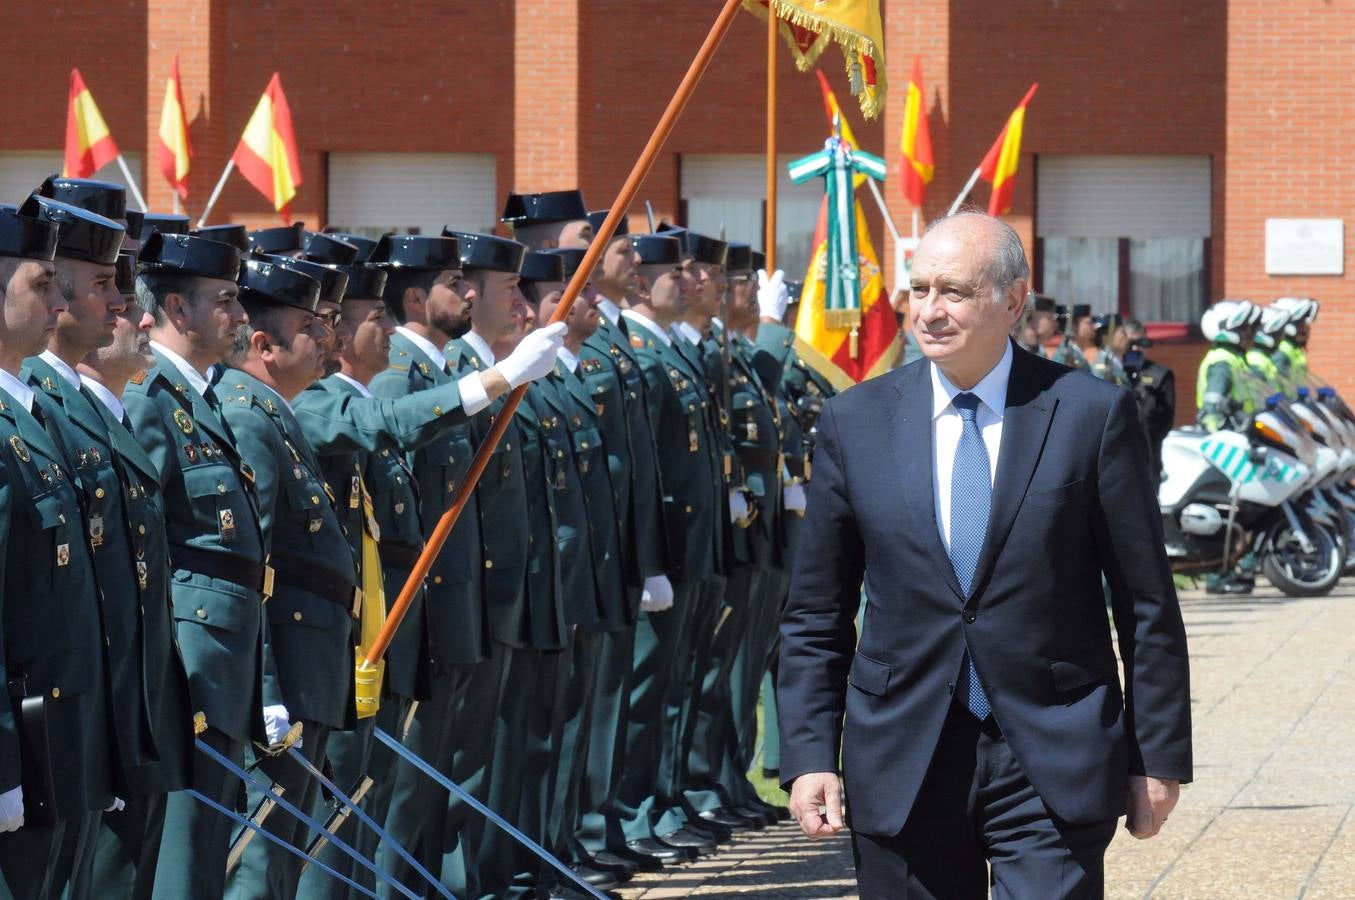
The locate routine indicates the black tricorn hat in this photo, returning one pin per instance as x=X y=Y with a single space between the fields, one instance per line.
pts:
x=333 y=282
x=1081 y=309
x=280 y=239
x=330 y=249
x=426 y=252
x=140 y=225
x=570 y=259
x=235 y=235
x=598 y=216
x=485 y=251
x=365 y=245
x=543 y=267
x=265 y=279
x=364 y=282
x=739 y=258
x=1109 y=322
x=83 y=235
x=1042 y=303
x=657 y=249
x=125 y=276
x=699 y=247
x=25 y=236
x=190 y=255
x=101 y=197
x=758 y=260
x=539 y=209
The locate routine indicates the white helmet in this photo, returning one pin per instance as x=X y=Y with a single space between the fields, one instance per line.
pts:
x=1300 y=309
x=1273 y=324
x=1222 y=321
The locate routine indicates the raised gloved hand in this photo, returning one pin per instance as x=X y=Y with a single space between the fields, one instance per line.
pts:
x=534 y=356
x=738 y=506
x=772 y=294
x=12 y=810
x=657 y=595
x=118 y=805
x=793 y=496
x=276 y=724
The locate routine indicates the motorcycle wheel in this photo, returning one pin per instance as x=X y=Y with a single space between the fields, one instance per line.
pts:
x=1300 y=574
x=1348 y=536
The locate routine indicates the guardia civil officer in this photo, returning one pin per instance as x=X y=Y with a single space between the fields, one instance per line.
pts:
x=55 y=751
x=549 y=220
x=1078 y=328
x=1154 y=387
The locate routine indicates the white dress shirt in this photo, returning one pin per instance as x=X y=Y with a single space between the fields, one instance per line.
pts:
x=947 y=426
x=190 y=374
x=609 y=310
x=481 y=347
x=105 y=397
x=62 y=369
x=689 y=332
x=362 y=388
x=649 y=325
x=472 y=389
x=20 y=392
x=567 y=358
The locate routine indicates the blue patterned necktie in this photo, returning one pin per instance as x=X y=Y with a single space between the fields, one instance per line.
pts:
x=971 y=495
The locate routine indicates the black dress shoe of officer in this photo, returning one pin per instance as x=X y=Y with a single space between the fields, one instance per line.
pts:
x=598 y=878
x=731 y=820
x=607 y=860
x=758 y=817
x=622 y=870
x=710 y=830
x=665 y=853
x=642 y=861
x=686 y=838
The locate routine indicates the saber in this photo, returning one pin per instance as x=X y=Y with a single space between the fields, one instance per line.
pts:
x=337 y=819
x=303 y=818
x=261 y=812
x=352 y=804
x=423 y=766
x=257 y=829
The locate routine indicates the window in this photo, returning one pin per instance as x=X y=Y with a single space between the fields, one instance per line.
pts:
x=729 y=191
x=1126 y=234
x=373 y=193
x=21 y=172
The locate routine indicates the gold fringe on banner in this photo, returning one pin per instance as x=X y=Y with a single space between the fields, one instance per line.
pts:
x=841 y=319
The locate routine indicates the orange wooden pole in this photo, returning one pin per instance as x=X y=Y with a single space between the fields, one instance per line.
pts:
x=600 y=240
x=769 y=242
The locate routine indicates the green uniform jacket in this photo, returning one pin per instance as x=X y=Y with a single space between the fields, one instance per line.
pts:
x=691 y=359
x=756 y=430
x=591 y=456
x=458 y=631
x=560 y=419
x=210 y=507
x=502 y=496
x=676 y=408
x=545 y=622
x=616 y=389
x=124 y=519
x=1069 y=354
x=49 y=619
x=311 y=613
x=803 y=388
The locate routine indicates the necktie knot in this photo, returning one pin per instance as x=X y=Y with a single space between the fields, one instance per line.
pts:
x=967 y=405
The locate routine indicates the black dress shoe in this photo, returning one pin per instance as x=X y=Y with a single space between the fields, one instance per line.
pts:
x=686 y=838
x=758 y=818
x=608 y=860
x=665 y=853
x=709 y=830
x=643 y=861
x=598 y=878
x=733 y=820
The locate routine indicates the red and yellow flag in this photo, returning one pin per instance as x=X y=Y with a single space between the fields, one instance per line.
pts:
x=847 y=355
x=835 y=117
x=266 y=154
x=917 y=167
x=89 y=145
x=174 y=150
x=999 y=166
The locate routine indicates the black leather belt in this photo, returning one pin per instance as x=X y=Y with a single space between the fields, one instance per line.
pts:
x=302 y=574
x=399 y=556
x=246 y=573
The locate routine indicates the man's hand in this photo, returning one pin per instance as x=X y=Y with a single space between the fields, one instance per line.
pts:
x=772 y=295
x=12 y=810
x=657 y=595
x=816 y=802
x=1151 y=800
x=534 y=356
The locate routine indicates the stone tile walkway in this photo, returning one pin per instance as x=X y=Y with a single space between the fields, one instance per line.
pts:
x=1271 y=813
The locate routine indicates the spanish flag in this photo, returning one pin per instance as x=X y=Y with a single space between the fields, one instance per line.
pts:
x=846 y=356
x=999 y=166
x=266 y=154
x=917 y=167
x=174 y=150
x=89 y=145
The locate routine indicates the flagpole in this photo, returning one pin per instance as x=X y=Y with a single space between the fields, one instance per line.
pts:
x=177 y=207
x=769 y=240
x=601 y=238
x=131 y=183
x=216 y=192
x=968 y=186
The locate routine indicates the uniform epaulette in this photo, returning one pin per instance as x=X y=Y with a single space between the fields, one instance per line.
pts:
x=399 y=368
x=138 y=378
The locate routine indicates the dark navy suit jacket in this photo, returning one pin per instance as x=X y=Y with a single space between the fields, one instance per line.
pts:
x=1072 y=499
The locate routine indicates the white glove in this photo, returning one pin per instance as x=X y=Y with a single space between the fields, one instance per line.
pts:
x=794 y=496
x=118 y=805
x=772 y=294
x=738 y=506
x=276 y=724
x=12 y=810
x=534 y=357
x=658 y=594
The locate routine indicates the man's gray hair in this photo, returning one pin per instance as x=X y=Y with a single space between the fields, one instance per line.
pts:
x=1008 y=261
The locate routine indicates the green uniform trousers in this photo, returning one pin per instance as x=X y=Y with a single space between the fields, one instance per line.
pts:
x=200 y=834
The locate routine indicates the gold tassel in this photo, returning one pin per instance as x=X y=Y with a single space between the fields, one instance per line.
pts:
x=855 y=342
x=842 y=319
x=367 y=676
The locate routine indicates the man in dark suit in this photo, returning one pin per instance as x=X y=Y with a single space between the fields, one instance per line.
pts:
x=982 y=493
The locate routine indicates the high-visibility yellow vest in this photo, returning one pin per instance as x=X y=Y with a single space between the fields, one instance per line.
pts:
x=1298 y=361
x=1236 y=363
x=1263 y=365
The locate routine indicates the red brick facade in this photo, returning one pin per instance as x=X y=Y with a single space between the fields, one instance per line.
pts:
x=564 y=93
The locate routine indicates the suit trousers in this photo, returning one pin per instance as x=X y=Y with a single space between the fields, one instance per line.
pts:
x=976 y=810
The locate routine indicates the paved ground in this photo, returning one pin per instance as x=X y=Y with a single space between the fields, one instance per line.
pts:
x=1271 y=813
